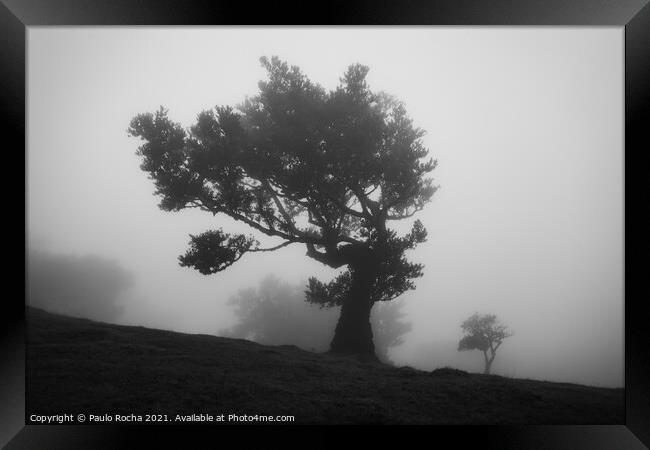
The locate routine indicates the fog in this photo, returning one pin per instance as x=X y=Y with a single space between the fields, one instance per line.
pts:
x=526 y=125
x=87 y=286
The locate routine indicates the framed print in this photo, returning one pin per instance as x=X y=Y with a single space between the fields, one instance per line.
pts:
x=390 y=215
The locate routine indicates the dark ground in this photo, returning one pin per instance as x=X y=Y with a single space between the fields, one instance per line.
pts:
x=79 y=366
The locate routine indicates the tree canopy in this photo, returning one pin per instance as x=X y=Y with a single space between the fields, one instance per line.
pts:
x=323 y=168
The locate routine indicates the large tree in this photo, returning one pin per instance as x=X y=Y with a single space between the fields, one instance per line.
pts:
x=324 y=169
x=484 y=333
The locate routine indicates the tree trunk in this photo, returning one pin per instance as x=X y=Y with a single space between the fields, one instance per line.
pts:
x=488 y=364
x=353 y=334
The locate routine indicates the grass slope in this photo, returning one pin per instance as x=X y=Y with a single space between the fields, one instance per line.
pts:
x=76 y=365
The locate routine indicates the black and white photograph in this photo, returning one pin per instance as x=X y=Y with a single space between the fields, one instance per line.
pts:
x=269 y=225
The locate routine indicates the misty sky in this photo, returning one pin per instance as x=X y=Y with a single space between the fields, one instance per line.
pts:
x=526 y=124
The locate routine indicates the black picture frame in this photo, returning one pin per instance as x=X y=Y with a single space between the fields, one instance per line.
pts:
x=633 y=15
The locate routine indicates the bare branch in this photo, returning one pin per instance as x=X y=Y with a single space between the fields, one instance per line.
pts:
x=403 y=216
x=284 y=244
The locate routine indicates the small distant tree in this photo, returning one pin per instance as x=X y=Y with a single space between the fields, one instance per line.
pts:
x=484 y=333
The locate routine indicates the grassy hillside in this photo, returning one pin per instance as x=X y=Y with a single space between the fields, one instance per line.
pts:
x=79 y=366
